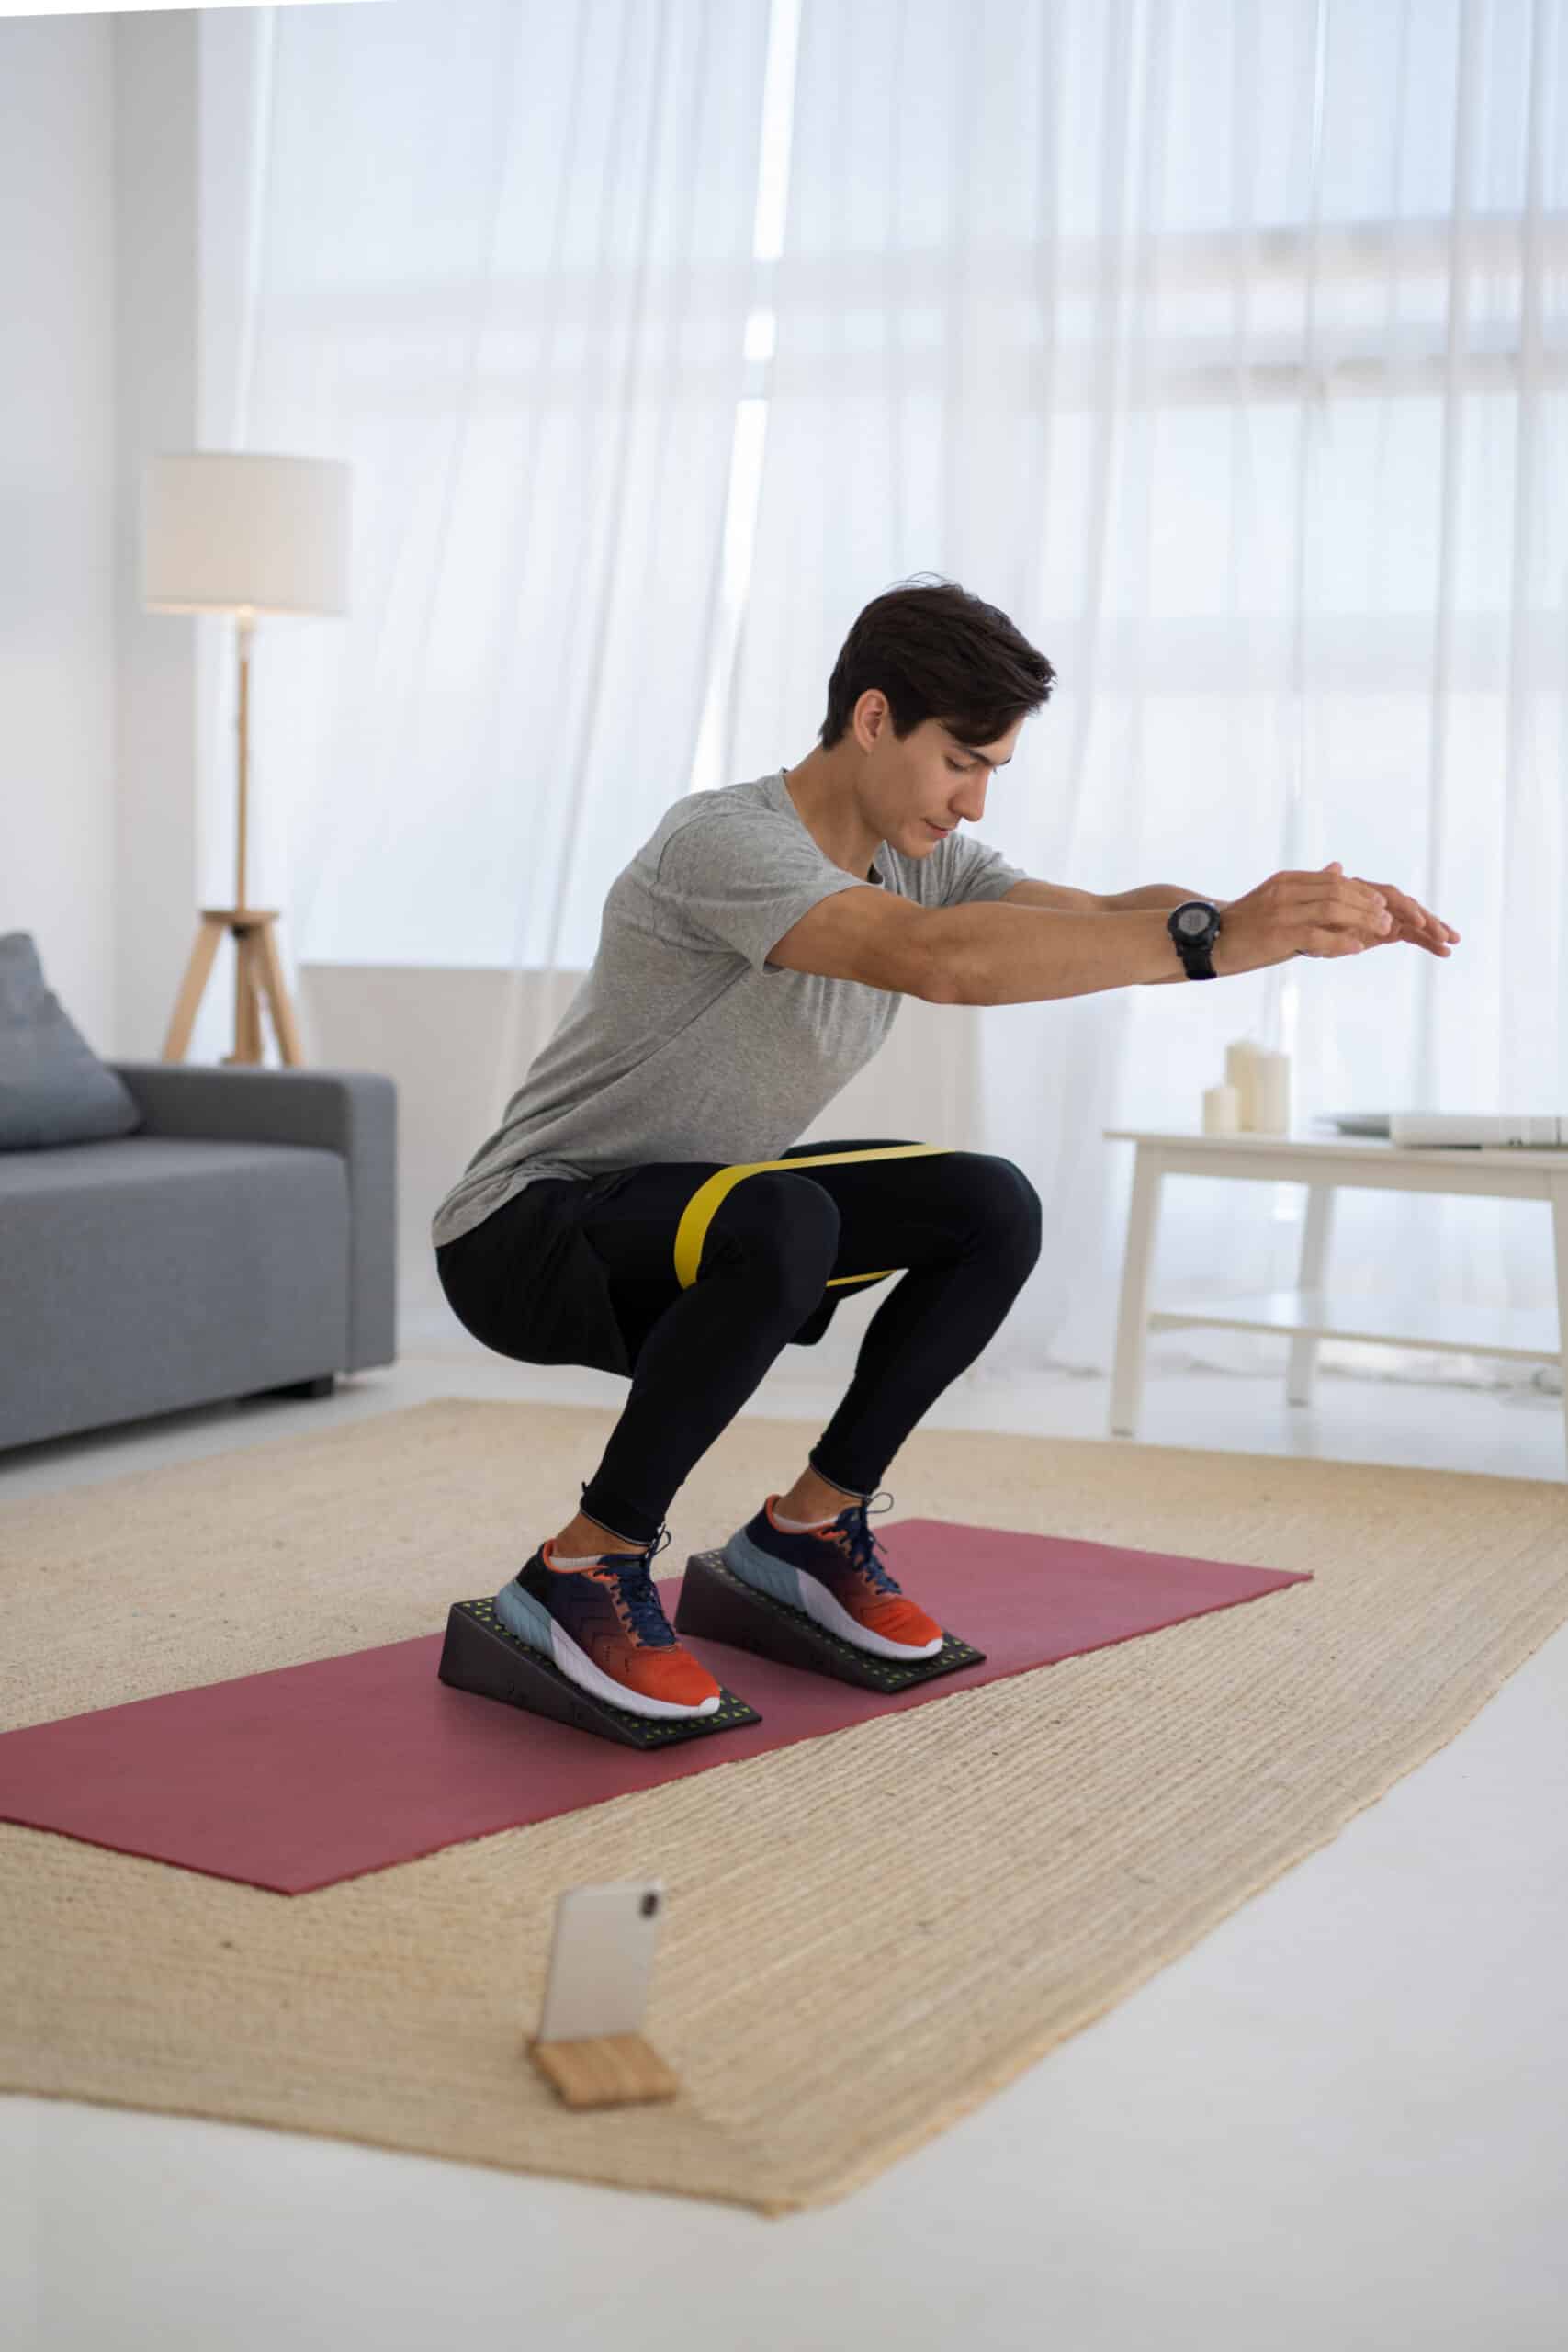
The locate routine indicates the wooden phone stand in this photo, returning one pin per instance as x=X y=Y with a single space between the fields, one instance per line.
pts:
x=607 y=2070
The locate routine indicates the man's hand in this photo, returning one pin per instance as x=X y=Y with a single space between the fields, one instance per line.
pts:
x=1411 y=921
x=1328 y=913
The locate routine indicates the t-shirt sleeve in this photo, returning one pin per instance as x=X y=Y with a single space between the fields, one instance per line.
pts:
x=972 y=869
x=743 y=881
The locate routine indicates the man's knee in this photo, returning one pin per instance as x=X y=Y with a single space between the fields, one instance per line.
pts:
x=1005 y=1201
x=787 y=1228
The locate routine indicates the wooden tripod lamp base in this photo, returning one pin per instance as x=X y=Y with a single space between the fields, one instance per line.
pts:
x=258 y=973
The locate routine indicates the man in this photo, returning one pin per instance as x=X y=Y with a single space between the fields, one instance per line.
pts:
x=632 y=1211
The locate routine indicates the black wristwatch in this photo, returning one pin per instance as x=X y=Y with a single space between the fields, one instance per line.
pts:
x=1194 y=925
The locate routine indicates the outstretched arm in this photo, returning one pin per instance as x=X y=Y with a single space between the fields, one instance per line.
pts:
x=1062 y=900
x=976 y=952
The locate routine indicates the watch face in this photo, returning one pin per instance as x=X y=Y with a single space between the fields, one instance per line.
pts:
x=1193 y=919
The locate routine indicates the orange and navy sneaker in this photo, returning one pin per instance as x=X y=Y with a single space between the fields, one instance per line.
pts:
x=835 y=1575
x=604 y=1627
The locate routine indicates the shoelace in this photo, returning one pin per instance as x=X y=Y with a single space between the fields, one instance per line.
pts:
x=862 y=1543
x=635 y=1583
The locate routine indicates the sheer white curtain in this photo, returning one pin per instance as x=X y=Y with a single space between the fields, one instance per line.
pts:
x=1225 y=346
x=498 y=255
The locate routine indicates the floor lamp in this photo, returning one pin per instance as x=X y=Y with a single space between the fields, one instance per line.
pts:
x=251 y=536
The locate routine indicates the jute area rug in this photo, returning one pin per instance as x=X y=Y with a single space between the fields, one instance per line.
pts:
x=865 y=1934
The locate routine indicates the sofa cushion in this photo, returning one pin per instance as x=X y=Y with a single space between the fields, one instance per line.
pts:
x=153 y=1273
x=53 y=1087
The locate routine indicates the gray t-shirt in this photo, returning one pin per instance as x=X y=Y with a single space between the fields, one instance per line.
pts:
x=683 y=1042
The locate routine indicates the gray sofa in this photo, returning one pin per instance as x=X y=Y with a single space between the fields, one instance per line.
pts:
x=239 y=1240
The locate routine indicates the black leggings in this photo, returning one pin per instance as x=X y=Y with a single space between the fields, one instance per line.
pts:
x=965 y=1225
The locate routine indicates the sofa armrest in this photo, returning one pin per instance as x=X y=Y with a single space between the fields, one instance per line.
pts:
x=241 y=1103
x=353 y=1112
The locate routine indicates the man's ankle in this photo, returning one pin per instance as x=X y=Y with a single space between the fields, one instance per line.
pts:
x=819 y=1501
x=584 y=1539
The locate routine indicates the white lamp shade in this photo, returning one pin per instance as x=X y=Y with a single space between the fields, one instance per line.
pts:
x=227 y=533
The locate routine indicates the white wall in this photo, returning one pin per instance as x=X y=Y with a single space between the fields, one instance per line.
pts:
x=156 y=293
x=57 y=695
x=97 y=295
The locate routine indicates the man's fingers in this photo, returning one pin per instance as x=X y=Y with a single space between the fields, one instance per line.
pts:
x=1407 y=919
x=1411 y=921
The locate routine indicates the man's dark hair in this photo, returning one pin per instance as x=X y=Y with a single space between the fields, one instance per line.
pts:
x=937 y=652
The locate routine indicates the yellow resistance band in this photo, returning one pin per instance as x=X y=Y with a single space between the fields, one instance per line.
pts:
x=697 y=1214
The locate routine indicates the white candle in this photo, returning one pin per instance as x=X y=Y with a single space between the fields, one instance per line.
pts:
x=1271 y=1111
x=1222 y=1111
x=1241 y=1071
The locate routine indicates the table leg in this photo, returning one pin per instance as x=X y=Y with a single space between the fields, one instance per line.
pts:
x=1132 y=1316
x=1315 y=1258
x=1560 y=1235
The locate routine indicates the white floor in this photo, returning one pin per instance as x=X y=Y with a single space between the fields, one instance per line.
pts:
x=1339 y=2123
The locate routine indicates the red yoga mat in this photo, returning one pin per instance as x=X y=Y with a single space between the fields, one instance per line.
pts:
x=307 y=1775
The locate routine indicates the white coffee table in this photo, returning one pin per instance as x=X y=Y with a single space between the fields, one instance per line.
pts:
x=1314 y=1311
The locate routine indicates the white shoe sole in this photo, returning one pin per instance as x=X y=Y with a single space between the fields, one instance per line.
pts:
x=523 y=1616
x=812 y=1597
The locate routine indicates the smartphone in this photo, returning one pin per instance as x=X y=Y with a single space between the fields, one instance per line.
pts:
x=602 y=1960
